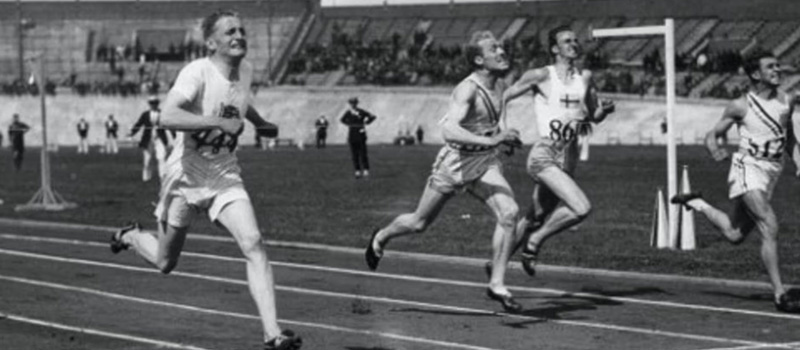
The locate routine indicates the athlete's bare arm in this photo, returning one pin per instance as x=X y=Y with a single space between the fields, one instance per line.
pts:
x=177 y=116
x=793 y=146
x=598 y=109
x=733 y=113
x=263 y=127
x=527 y=82
x=461 y=103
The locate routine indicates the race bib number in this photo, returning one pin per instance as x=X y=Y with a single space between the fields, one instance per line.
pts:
x=560 y=131
x=215 y=140
x=772 y=149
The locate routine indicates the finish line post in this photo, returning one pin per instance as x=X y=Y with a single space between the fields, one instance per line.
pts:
x=45 y=198
x=668 y=31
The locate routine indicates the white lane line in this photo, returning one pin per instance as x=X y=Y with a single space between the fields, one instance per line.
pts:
x=795 y=345
x=393 y=301
x=96 y=292
x=548 y=291
x=133 y=338
x=571 y=270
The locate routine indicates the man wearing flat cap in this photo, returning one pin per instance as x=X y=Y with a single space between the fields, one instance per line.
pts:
x=149 y=123
x=357 y=119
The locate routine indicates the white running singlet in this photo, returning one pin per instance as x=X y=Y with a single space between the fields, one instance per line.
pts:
x=562 y=110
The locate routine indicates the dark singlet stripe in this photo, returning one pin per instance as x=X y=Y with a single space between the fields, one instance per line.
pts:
x=487 y=101
x=766 y=118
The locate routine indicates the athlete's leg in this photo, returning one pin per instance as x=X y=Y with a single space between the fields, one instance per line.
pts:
x=734 y=227
x=429 y=206
x=238 y=218
x=364 y=158
x=147 y=171
x=543 y=202
x=759 y=207
x=160 y=151
x=493 y=189
x=354 y=155
x=573 y=208
x=163 y=249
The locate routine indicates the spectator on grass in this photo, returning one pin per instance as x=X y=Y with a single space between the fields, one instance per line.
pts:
x=16 y=135
x=83 y=133
x=322 y=131
x=357 y=119
x=111 y=135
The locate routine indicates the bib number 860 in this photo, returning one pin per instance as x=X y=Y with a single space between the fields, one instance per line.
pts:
x=560 y=131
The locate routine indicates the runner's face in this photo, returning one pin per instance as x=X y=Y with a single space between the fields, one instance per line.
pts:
x=770 y=71
x=229 y=38
x=567 y=45
x=494 y=56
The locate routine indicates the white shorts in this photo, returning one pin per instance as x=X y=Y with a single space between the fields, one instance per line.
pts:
x=752 y=174
x=455 y=170
x=187 y=188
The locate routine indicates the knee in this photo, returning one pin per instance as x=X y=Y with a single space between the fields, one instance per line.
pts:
x=251 y=246
x=508 y=214
x=583 y=210
x=167 y=265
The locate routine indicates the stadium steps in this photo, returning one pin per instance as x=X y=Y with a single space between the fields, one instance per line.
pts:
x=706 y=84
x=791 y=82
x=787 y=43
x=514 y=29
x=333 y=78
x=770 y=39
x=299 y=36
x=697 y=35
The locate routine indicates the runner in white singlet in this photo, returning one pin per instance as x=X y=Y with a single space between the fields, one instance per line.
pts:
x=565 y=103
x=206 y=106
x=764 y=119
x=469 y=162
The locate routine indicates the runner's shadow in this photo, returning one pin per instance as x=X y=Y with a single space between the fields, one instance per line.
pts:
x=638 y=291
x=363 y=348
x=748 y=297
x=553 y=311
x=446 y=313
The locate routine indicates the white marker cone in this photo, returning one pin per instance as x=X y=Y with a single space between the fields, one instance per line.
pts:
x=687 y=235
x=659 y=234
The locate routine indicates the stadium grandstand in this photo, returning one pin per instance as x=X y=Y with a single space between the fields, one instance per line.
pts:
x=130 y=48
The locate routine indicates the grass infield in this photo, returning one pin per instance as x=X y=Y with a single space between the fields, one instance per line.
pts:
x=312 y=196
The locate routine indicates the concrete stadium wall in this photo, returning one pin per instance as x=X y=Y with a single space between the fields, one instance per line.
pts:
x=636 y=121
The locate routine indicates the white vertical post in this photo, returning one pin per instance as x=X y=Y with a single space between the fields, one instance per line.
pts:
x=672 y=166
x=668 y=31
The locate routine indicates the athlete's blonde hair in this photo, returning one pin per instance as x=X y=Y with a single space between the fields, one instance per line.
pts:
x=473 y=48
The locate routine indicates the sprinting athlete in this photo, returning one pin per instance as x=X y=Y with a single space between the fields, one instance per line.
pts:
x=763 y=118
x=565 y=103
x=469 y=162
x=206 y=104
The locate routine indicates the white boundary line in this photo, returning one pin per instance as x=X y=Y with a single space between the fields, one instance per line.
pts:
x=91 y=331
x=544 y=268
x=794 y=345
x=548 y=291
x=236 y=314
x=396 y=301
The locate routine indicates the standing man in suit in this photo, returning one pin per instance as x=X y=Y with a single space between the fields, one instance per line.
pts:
x=111 y=135
x=357 y=119
x=83 y=133
x=149 y=123
x=322 y=131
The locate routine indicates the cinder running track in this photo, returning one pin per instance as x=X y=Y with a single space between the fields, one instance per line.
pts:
x=61 y=288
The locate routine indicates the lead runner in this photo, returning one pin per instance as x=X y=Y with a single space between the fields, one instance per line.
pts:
x=469 y=162
x=202 y=172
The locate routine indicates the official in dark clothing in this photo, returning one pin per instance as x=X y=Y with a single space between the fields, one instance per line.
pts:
x=322 y=131
x=148 y=122
x=357 y=119
x=16 y=135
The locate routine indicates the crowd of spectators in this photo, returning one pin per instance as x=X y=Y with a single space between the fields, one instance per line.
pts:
x=420 y=60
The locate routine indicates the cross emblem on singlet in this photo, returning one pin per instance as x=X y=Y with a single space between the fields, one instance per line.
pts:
x=568 y=102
